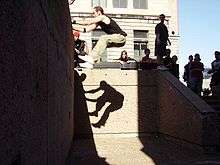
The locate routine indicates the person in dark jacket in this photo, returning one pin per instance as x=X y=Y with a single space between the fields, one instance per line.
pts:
x=174 y=67
x=161 y=39
x=215 y=71
x=186 y=74
x=80 y=48
x=196 y=71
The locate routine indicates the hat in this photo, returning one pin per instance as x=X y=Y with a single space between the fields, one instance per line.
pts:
x=76 y=33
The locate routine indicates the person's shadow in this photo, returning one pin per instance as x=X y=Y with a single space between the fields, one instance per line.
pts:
x=83 y=149
x=110 y=95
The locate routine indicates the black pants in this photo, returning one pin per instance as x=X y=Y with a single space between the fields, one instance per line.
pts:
x=160 y=51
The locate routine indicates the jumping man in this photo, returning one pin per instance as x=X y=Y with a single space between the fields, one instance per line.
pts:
x=115 y=36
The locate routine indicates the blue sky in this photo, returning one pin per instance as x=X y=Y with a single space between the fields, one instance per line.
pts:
x=199 y=23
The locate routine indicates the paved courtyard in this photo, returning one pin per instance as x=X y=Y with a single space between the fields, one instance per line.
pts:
x=149 y=150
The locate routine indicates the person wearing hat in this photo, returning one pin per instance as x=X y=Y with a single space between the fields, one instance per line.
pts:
x=80 y=48
x=162 y=39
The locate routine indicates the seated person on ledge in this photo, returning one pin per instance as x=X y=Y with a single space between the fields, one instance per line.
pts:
x=147 y=62
x=80 y=48
x=124 y=57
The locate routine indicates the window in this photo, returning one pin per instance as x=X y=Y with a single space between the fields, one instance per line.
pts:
x=95 y=37
x=120 y=3
x=102 y=3
x=140 y=4
x=140 y=43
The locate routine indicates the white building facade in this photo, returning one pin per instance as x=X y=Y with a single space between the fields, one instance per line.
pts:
x=137 y=18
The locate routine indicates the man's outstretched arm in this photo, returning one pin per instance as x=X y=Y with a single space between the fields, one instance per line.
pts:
x=84 y=29
x=90 y=21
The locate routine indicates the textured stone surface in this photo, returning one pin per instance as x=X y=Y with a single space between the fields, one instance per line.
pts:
x=36 y=123
x=131 y=150
x=179 y=117
x=137 y=114
x=183 y=114
x=154 y=101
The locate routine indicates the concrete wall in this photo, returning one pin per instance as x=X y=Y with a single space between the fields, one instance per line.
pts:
x=154 y=102
x=183 y=115
x=36 y=123
x=138 y=110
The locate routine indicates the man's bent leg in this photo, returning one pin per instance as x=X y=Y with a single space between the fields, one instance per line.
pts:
x=103 y=42
x=97 y=50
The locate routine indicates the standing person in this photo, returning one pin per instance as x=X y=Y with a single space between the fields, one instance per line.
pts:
x=80 y=48
x=161 y=39
x=196 y=69
x=186 y=74
x=115 y=36
x=167 y=60
x=215 y=80
x=174 y=67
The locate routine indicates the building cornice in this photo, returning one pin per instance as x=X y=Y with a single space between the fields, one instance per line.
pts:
x=150 y=18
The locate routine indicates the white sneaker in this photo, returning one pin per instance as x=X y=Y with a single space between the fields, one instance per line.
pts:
x=86 y=65
x=87 y=58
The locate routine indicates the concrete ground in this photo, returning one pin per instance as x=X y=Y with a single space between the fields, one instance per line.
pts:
x=148 y=150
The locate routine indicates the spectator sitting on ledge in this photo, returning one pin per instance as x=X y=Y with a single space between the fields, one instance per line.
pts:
x=124 y=57
x=146 y=58
x=147 y=62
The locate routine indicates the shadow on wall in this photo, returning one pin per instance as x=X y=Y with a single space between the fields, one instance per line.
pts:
x=82 y=124
x=81 y=117
x=178 y=114
x=148 y=114
x=109 y=95
x=147 y=102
